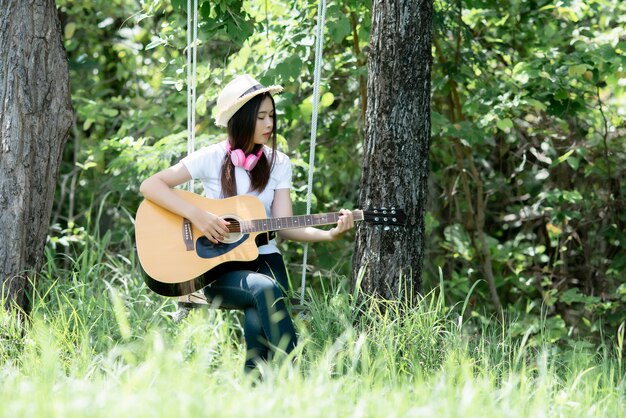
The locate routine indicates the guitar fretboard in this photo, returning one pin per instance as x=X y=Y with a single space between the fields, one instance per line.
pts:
x=291 y=222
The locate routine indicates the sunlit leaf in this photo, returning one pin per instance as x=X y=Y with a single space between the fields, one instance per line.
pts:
x=577 y=70
x=327 y=99
x=504 y=124
x=564 y=157
x=69 y=30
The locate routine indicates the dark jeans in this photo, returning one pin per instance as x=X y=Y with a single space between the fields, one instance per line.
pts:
x=258 y=288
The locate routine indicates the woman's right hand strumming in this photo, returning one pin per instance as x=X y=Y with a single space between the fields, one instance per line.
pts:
x=210 y=225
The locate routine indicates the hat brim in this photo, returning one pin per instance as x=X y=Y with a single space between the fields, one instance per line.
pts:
x=222 y=118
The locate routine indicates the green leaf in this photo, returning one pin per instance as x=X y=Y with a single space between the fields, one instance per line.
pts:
x=577 y=70
x=69 y=30
x=573 y=295
x=573 y=162
x=179 y=4
x=504 y=124
x=155 y=43
x=87 y=124
x=306 y=108
x=536 y=104
x=290 y=68
x=567 y=13
x=340 y=28
x=205 y=9
x=327 y=99
x=458 y=241
x=564 y=157
x=561 y=95
x=572 y=196
x=110 y=112
x=523 y=72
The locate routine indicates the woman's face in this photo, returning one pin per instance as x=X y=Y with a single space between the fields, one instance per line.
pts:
x=264 y=122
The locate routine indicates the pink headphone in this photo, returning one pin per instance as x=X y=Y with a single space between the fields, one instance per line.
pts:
x=239 y=159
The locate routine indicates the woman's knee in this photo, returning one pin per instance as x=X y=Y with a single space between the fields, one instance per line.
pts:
x=264 y=286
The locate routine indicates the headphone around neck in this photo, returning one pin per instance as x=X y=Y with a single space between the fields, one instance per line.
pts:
x=239 y=158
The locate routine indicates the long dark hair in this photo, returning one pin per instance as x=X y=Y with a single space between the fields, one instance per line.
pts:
x=240 y=130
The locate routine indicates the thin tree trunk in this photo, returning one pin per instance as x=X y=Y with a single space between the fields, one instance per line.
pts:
x=395 y=166
x=35 y=117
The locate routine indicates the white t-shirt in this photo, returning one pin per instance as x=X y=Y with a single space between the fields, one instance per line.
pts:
x=206 y=165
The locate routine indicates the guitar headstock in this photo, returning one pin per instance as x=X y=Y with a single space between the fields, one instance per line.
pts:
x=384 y=216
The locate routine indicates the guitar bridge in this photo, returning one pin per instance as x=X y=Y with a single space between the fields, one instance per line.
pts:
x=188 y=234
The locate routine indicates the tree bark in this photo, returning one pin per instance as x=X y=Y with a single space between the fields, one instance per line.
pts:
x=397 y=140
x=35 y=117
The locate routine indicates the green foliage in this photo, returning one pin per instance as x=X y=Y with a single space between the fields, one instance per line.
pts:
x=222 y=17
x=528 y=152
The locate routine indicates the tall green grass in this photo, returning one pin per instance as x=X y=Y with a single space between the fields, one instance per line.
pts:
x=100 y=344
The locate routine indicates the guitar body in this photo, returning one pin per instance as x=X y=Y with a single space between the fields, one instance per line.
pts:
x=175 y=255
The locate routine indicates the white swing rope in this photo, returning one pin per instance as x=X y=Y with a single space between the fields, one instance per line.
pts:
x=192 y=48
x=321 y=22
x=192 y=55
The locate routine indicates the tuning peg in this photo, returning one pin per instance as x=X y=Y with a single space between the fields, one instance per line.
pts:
x=386 y=228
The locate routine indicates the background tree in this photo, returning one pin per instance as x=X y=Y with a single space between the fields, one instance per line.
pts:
x=35 y=116
x=395 y=164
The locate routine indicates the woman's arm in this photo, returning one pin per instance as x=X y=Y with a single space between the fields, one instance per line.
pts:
x=158 y=188
x=282 y=207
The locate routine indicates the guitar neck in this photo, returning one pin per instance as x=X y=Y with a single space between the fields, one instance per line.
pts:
x=293 y=222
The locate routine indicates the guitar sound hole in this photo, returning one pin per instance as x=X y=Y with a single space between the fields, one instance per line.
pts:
x=234 y=228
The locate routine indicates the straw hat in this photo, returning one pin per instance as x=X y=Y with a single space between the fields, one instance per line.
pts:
x=236 y=94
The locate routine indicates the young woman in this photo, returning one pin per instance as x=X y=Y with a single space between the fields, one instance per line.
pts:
x=247 y=162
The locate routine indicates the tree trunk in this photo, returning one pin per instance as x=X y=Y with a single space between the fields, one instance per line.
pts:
x=35 y=117
x=397 y=140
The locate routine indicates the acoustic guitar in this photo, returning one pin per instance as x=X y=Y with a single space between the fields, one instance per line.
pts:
x=176 y=256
